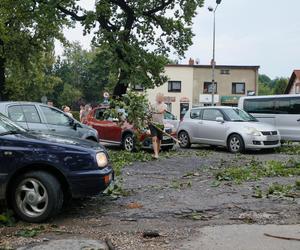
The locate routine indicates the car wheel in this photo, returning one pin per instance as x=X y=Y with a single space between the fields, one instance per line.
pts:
x=236 y=144
x=129 y=143
x=184 y=140
x=36 y=196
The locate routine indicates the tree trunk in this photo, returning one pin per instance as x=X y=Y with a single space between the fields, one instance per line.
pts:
x=2 y=72
x=121 y=87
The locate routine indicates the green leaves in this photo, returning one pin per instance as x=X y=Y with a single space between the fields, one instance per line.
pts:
x=7 y=219
x=255 y=171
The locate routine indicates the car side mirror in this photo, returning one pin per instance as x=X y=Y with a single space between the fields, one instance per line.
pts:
x=220 y=119
x=73 y=124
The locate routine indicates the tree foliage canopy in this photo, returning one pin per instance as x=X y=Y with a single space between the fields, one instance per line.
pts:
x=27 y=32
x=139 y=35
x=267 y=86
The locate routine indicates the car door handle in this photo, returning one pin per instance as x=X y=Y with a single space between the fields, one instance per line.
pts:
x=298 y=120
x=200 y=122
x=53 y=129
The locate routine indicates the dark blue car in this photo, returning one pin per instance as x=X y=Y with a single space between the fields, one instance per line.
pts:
x=38 y=171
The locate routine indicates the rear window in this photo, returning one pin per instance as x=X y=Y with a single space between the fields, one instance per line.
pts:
x=286 y=105
x=15 y=113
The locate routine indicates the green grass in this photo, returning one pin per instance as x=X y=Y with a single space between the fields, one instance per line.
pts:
x=256 y=170
x=289 y=148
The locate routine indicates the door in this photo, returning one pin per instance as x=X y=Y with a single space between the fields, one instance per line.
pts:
x=33 y=119
x=108 y=129
x=210 y=131
x=288 y=118
x=58 y=122
x=193 y=124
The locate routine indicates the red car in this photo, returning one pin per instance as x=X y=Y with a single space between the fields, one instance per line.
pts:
x=111 y=132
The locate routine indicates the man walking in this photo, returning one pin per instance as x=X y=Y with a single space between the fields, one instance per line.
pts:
x=158 y=111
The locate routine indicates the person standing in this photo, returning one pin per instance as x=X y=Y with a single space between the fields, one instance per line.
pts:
x=158 y=111
x=67 y=111
x=81 y=112
x=85 y=112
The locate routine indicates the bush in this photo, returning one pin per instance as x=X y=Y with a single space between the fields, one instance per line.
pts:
x=76 y=115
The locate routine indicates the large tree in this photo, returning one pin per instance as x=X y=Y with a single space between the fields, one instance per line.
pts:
x=27 y=32
x=138 y=34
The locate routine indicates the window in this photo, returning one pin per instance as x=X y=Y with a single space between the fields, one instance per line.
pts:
x=207 y=88
x=295 y=106
x=195 y=113
x=225 y=72
x=99 y=114
x=288 y=105
x=55 y=117
x=169 y=116
x=261 y=105
x=26 y=113
x=169 y=107
x=138 y=87
x=238 y=88
x=15 y=113
x=174 y=86
x=31 y=114
x=211 y=114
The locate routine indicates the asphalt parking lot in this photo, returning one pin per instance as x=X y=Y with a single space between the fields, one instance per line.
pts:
x=174 y=197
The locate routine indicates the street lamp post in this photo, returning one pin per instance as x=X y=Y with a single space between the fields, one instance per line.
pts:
x=213 y=63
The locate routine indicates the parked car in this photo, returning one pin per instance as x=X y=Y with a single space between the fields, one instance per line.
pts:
x=281 y=111
x=171 y=119
x=38 y=172
x=111 y=132
x=43 y=118
x=226 y=126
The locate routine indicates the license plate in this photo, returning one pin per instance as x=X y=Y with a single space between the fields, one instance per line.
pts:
x=166 y=138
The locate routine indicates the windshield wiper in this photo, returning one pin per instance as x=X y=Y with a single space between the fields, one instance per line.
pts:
x=237 y=120
x=10 y=133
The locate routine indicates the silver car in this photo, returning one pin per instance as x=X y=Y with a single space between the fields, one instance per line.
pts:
x=171 y=119
x=226 y=126
x=41 y=118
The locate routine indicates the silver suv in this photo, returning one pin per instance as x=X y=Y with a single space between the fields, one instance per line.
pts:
x=39 y=117
x=226 y=126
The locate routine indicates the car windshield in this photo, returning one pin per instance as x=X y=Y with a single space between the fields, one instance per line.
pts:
x=7 y=126
x=238 y=115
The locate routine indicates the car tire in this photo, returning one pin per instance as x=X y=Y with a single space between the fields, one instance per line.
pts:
x=36 y=196
x=236 y=144
x=129 y=143
x=184 y=138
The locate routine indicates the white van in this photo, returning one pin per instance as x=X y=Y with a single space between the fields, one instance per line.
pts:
x=283 y=111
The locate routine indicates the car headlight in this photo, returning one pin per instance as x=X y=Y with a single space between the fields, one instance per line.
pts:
x=101 y=159
x=253 y=131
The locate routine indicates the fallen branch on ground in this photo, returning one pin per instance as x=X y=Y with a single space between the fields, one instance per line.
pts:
x=281 y=237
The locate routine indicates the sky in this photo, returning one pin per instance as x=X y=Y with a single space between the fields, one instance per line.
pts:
x=248 y=32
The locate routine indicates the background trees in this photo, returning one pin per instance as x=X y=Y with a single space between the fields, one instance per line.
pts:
x=27 y=32
x=267 y=86
x=84 y=75
x=135 y=36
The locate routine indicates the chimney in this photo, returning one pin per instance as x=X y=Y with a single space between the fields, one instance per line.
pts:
x=191 y=61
